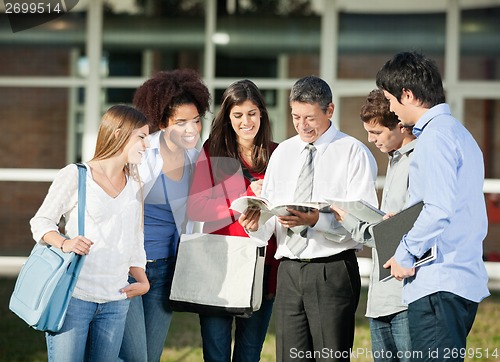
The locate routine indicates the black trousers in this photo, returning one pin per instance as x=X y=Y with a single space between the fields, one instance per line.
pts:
x=439 y=325
x=315 y=308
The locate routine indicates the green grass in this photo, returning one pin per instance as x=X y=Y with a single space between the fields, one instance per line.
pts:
x=19 y=343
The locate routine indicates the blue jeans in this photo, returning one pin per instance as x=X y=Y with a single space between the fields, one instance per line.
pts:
x=149 y=316
x=391 y=337
x=91 y=332
x=249 y=338
x=439 y=325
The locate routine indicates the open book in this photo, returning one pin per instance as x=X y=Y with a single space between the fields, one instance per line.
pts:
x=358 y=208
x=267 y=210
x=388 y=234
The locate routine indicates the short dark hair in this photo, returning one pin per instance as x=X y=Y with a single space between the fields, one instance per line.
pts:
x=412 y=71
x=312 y=89
x=376 y=108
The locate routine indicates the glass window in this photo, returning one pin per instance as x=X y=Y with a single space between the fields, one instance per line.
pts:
x=367 y=41
x=246 y=66
x=275 y=39
x=39 y=48
x=155 y=36
x=480 y=44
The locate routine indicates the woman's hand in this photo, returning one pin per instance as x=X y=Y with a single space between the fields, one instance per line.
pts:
x=250 y=219
x=136 y=289
x=79 y=245
x=141 y=285
x=256 y=187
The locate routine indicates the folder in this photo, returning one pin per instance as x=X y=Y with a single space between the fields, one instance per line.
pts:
x=388 y=234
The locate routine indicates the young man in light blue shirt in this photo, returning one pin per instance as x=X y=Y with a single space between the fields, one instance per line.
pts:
x=447 y=173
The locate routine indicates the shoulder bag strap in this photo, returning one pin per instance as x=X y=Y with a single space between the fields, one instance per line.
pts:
x=82 y=196
x=222 y=184
x=246 y=173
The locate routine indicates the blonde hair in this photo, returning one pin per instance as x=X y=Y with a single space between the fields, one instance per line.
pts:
x=126 y=119
x=120 y=117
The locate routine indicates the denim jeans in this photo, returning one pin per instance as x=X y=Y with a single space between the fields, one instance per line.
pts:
x=91 y=332
x=391 y=338
x=440 y=323
x=149 y=316
x=250 y=334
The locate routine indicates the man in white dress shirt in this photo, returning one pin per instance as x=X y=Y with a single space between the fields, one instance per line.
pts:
x=318 y=287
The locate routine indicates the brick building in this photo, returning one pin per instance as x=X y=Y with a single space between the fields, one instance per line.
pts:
x=57 y=78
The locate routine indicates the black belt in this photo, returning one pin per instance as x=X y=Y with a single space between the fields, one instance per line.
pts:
x=346 y=254
x=162 y=259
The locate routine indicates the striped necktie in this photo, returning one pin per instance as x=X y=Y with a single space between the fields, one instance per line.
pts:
x=296 y=236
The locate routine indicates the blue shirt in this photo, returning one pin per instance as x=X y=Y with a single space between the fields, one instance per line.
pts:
x=447 y=173
x=164 y=214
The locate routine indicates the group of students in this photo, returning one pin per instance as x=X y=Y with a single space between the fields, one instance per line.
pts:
x=147 y=184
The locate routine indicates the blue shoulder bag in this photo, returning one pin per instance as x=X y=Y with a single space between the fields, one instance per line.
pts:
x=46 y=281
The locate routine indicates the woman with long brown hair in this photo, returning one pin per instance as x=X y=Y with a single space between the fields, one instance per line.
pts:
x=240 y=139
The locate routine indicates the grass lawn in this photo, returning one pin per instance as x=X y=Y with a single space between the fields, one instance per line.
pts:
x=19 y=343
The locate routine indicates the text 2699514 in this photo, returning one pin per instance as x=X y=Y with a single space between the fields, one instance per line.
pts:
x=41 y=7
x=460 y=353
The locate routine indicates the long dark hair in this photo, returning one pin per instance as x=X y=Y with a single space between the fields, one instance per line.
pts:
x=223 y=141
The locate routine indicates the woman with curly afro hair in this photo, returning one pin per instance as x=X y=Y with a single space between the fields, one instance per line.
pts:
x=174 y=103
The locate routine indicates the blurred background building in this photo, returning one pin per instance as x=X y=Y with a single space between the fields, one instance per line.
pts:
x=58 y=77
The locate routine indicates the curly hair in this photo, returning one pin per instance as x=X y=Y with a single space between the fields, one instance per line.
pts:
x=160 y=95
x=377 y=108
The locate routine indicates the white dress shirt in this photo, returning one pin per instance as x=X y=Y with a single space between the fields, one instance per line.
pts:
x=343 y=168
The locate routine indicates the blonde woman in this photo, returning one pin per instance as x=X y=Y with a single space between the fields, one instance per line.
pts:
x=113 y=242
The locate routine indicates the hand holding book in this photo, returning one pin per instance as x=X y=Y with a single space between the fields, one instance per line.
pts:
x=387 y=230
x=397 y=271
x=267 y=210
x=358 y=208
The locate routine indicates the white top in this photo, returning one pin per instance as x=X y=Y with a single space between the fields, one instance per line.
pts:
x=151 y=167
x=343 y=168
x=113 y=224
